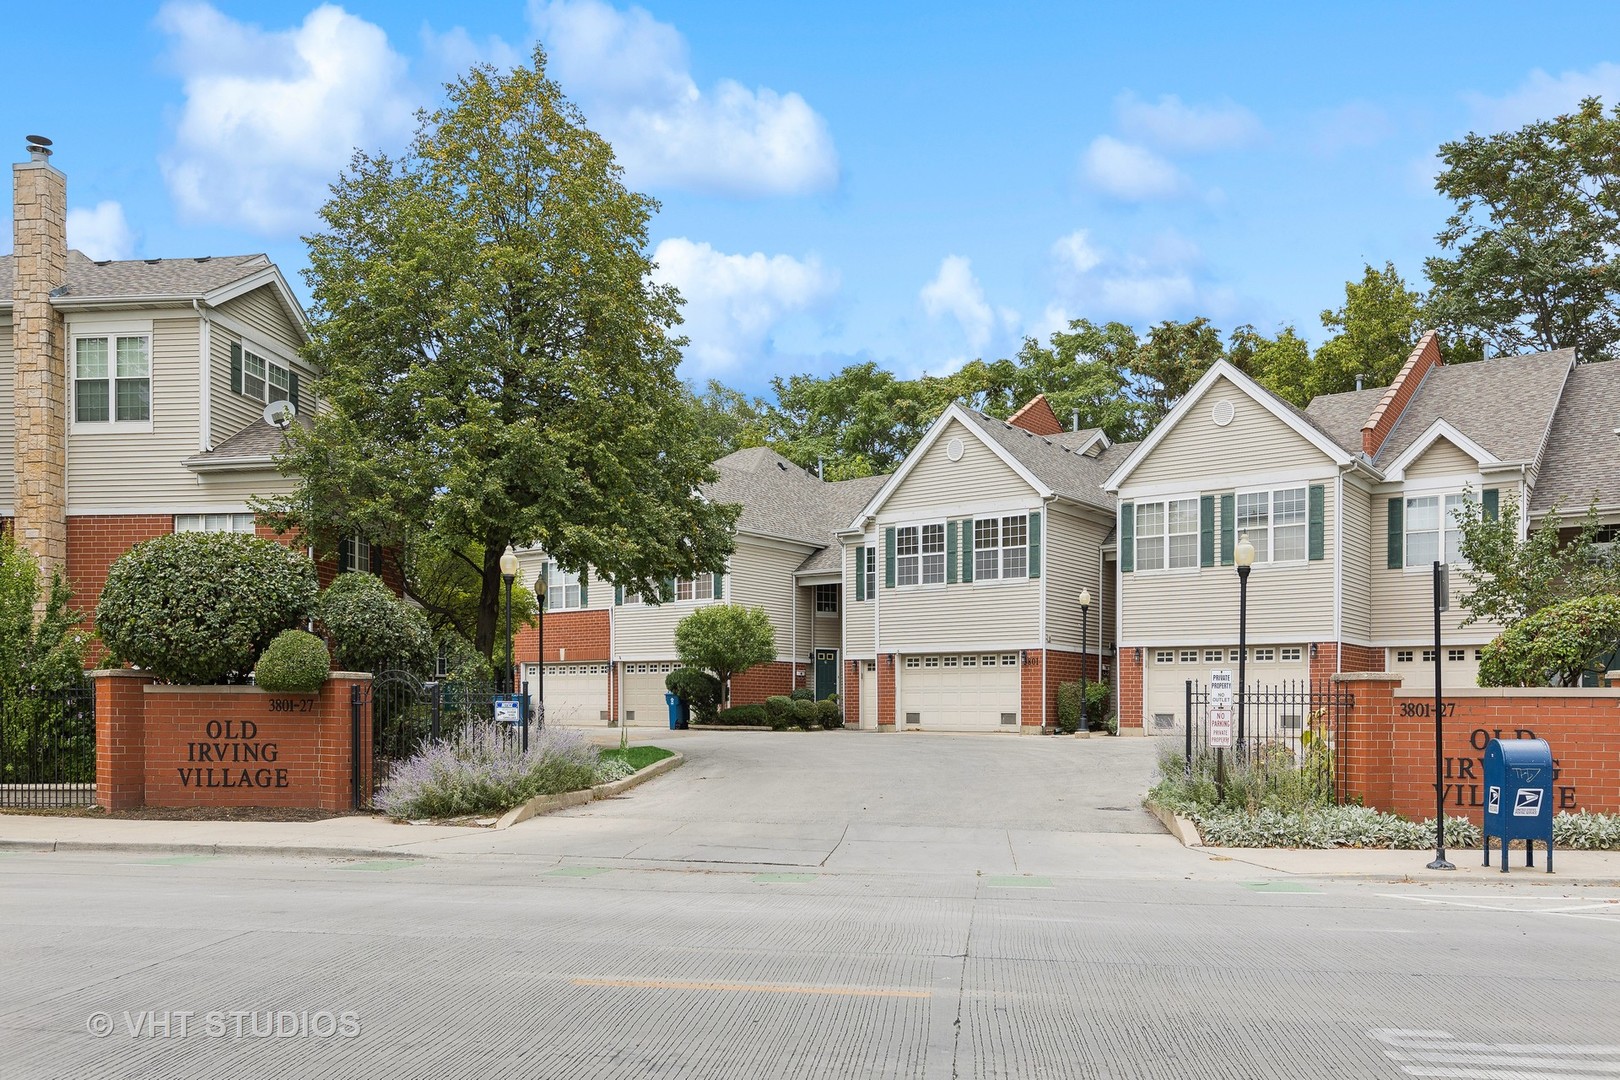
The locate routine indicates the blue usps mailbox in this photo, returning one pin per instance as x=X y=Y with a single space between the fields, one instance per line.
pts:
x=1518 y=797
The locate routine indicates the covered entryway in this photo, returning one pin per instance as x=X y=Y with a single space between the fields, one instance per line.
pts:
x=576 y=694
x=959 y=692
x=642 y=703
x=826 y=673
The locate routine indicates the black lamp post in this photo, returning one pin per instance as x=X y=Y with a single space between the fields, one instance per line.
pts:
x=541 y=588
x=1085 y=629
x=1244 y=557
x=509 y=569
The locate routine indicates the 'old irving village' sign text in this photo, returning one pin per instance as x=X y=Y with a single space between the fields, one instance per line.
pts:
x=232 y=756
x=1463 y=773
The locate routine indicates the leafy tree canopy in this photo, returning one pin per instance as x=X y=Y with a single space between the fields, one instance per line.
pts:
x=1559 y=643
x=1511 y=579
x=726 y=639
x=498 y=366
x=1533 y=237
x=41 y=647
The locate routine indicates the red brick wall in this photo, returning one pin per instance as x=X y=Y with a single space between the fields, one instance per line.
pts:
x=852 y=693
x=1388 y=756
x=583 y=633
x=94 y=543
x=1129 y=707
x=1388 y=411
x=885 y=691
x=224 y=745
x=758 y=683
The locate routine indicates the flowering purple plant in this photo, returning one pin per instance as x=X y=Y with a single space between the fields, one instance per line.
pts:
x=484 y=769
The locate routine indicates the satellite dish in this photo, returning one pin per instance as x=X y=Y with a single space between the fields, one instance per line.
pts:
x=280 y=413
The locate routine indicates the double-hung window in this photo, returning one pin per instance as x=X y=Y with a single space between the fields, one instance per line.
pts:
x=919 y=555
x=265 y=378
x=354 y=556
x=871 y=572
x=1001 y=547
x=698 y=588
x=232 y=523
x=1276 y=523
x=1431 y=528
x=826 y=599
x=1167 y=534
x=562 y=588
x=112 y=378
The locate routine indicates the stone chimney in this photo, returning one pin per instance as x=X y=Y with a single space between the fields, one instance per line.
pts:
x=38 y=332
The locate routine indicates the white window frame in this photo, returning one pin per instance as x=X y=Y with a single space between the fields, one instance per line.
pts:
x=90 y=329
x=870 y=571
x=916 y=555
x=1212 y=656
x=1294 y=653
x=350 y=551
x=1403 y=656
x=1188 y=656
x=1164 y=656
x=560 y=583
x=1263 y=536
x=1456 y=656
x=1167 y=548
x=273 y=364
x=1265 y=656
x=1001 y=548
x=226 y=523
x=1447 y=536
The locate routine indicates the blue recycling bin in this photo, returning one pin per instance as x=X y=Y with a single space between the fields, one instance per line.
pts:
x=680 y=714
x=1519 y=797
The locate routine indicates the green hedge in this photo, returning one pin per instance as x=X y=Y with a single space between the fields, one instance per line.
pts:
x=371 y=628
x=1068 y=706
x=295 y=663
x=743 y=716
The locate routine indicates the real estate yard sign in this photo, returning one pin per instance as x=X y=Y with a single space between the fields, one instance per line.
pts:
x=1220 y=710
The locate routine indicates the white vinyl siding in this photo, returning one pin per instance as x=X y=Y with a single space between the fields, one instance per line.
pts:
x=262 y=314
x=1006 y=613
x=935 y=480
x=860 y=617
x=1402 y=601
x=1442 y=458
x=1359 y=544
x=1255 y=441
x=1069 y=544
x=760 y=575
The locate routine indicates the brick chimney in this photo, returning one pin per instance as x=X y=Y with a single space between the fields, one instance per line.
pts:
x=1037 y=416
x=1425 y=356
x=39 y=262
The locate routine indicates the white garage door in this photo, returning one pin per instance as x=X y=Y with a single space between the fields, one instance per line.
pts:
x=1415 y=666
x=960 y=692
x=576 y=694
x=644 y=691
x=1164 y=696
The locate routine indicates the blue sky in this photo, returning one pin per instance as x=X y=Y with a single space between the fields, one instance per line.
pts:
x=916 y=184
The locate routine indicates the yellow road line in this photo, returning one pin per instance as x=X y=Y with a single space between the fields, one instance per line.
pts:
x=834 y=991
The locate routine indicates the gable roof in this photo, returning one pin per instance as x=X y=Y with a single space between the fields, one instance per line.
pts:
x=780 y=499
x=1293 y=416
x=1056 y=460
x=1578 y=463
x=126 y=282
x=1341 y=416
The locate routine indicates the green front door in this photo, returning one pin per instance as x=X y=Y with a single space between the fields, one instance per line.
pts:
x=826 y=672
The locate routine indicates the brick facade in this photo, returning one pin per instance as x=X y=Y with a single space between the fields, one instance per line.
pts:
x=583 y=634
x=159 y=745
x=852 y=693
x=1387 y=414
x=1387 y=756
x=1037 y=416
x=94 y=543
x=885 y=691
x=1129 y=691
x=758 y=683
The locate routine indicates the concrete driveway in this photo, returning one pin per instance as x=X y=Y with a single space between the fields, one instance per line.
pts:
x=846 y=800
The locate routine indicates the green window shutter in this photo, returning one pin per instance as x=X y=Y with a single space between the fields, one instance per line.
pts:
x=618 y=595
x=888 y=558
x=292 y=391
x=1228 y=519
x=1035 y=544
x=1206 y=530
x=1488 y=503
x=236 y=367
x=1397 y=534
x=967 y=550
x=950 y=553
x=584 y=586
x=1318 y=501
x=719 y=587
x=1127 y=537
x=860 y=572
x=668 y=591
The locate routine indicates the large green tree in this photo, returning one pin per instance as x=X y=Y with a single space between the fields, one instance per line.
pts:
x=1510 y=579
x=1532 y=241
x=1373 y=333
x=497 y=365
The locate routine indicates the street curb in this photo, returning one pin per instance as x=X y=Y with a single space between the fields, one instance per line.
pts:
x=141 y=847
x=1183 y=829
x=546 y=804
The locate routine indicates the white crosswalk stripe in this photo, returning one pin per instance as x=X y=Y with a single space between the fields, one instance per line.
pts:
x=1440 y=1054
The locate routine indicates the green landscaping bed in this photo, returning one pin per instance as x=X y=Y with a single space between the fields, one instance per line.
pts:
x=637 y=757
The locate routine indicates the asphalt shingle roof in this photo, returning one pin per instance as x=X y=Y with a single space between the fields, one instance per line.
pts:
x=1340 y=416
x=778 y=498
x=1579 y=462
x=256 y=441
x=1505 y=404
x=179 y=279
x=1070 y=475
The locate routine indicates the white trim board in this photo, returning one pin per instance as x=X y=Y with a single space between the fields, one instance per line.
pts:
x=1441 y=429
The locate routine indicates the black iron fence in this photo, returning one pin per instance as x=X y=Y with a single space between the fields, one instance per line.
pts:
x=407 y=713
x=1293 y=725
x=48 y=748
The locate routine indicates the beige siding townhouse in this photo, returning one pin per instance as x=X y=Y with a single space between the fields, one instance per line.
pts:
x=132 y=392
x=607 y=651
x=1348 y=503
x=964 y=574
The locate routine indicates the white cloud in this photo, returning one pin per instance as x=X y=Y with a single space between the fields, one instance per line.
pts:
x=1542 y=96
x=1172 y=125
x=272 y=116
x=1130 y=172
x=955 y=292
x=1075 y=252
x=631 y=77
x=734 y=302
x=452 y=53
x=1161 y=278
x=101 y=231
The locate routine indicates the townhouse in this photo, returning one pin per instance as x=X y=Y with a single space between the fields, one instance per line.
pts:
x=133 y=393
x=607 y=652
x=1347 y=503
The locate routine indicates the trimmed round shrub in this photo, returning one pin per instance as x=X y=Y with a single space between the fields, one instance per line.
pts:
x=197 y=608
x=371 y=628
x=801 y=694
x=295 y=663
x=700 y=690
x=828 y=713
x=779 y=712
x=744 y=716
x=805 y=714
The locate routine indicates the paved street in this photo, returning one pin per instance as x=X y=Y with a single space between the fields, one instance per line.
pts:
x=922 y=910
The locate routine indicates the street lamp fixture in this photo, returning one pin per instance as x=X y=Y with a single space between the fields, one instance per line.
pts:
x=1244 y=557
x=541 y=589
x=1085 y=628
x=509 y=569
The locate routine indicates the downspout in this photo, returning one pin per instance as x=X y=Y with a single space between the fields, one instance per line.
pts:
x=1338 y=575
x=205 y=399
x=1046 y=576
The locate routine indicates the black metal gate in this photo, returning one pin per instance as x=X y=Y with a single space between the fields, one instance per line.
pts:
x=1292 y=725
x=406 y=713
x=48 y=748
